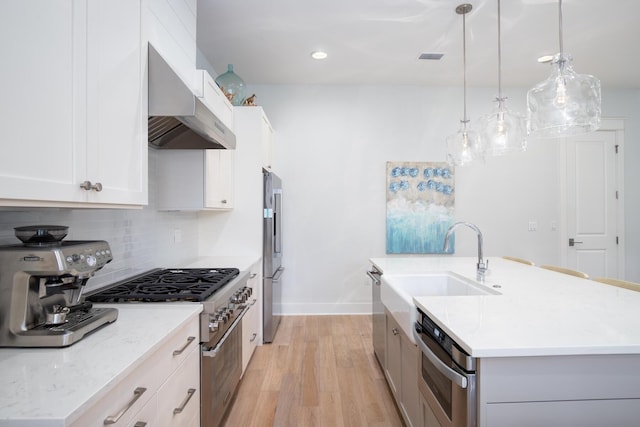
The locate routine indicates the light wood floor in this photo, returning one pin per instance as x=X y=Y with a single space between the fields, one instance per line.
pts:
x=319 y=371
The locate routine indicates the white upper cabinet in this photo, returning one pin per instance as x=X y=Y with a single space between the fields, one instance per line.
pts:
x=254 y=129
x=267 y=143
x=195 y=179
x=117 y=96
x=206 y=88
x=73 y=109
x=219 y=182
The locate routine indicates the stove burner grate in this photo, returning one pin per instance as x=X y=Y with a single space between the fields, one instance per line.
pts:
x=190 y=284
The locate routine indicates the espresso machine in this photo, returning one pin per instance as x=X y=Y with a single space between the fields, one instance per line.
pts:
x=41 y=285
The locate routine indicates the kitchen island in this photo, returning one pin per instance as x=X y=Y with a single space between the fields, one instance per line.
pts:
x=552 y=349
x=71 y=386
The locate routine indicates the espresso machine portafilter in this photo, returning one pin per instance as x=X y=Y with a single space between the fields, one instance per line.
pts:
x=41 y=284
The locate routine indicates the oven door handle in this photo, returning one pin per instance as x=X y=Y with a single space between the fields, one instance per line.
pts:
x=214 y=351
x=442 y=367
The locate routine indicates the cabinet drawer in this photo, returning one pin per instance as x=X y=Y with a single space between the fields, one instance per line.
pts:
x=177 y=348
x=179 y=397
x=126 y=399
x=147 y=415
x=250 y=334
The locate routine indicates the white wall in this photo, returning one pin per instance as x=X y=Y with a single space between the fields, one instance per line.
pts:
x=332 y=144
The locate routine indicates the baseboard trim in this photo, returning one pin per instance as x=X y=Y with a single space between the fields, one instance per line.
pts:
x=296 y=309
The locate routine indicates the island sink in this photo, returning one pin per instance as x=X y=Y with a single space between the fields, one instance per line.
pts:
x=398 y=290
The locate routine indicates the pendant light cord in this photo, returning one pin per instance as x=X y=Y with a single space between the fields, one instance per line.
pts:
x=500 y=98
x=560 y=26
x=464 y=65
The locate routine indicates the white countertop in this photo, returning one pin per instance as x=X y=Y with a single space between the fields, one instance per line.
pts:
x=539 y=312
x=52 y=386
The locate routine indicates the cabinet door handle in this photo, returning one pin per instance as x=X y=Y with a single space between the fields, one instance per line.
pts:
x=253 y=337
x=87 y=185
x=180 y=351
x=252 y=275
x=223 y=201
x=140 y=424
x=186 y=400
x=395 y=331
x=112 y=419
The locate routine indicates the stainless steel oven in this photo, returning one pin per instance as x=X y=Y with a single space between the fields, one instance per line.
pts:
x=448 y=376
x=221 y=368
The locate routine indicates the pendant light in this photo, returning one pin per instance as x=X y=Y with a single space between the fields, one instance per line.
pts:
x=502 y=131
x=566 y=103
x=464 y=146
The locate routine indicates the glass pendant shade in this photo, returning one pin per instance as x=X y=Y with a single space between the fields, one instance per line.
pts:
x=464 y=147
x=566 y=103
x=503 y=131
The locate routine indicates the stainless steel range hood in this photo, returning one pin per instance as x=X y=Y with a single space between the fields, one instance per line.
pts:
x=177 y=118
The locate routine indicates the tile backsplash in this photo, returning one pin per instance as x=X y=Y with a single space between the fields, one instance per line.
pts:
x=140 y=239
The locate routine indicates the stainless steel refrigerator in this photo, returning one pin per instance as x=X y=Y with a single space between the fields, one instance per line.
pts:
x=272 y=268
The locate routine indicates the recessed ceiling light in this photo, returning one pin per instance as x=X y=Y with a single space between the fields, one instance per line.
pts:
x=545 y=58
x=318 y=54
x=433 y=56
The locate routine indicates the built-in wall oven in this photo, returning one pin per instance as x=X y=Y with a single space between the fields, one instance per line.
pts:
x=448 y=376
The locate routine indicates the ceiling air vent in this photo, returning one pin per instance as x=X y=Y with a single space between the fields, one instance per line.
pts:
x=432 y=56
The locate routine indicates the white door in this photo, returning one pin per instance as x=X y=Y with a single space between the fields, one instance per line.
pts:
x=593 y=205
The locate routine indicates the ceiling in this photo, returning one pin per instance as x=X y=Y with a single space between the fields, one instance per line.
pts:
x=377 y=42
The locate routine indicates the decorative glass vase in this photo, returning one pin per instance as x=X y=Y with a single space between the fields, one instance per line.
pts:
x=232 y=86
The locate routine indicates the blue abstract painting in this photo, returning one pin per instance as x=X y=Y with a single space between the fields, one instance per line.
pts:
x=420 y=207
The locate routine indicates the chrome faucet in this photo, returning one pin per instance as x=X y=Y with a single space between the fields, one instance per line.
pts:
x=482 y=266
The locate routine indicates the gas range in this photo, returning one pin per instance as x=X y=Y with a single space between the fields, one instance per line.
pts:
x=175 y=284
x=221 y=291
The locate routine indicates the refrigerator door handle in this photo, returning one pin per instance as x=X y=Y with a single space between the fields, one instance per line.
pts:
x=278 y=273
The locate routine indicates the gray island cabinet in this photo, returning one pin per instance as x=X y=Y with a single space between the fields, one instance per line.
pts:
x=550 y=349
x=585 y=391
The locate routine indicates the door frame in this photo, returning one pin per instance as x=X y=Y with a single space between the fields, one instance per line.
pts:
x=606 y=124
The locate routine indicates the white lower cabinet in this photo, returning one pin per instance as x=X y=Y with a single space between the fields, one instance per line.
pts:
x=156 y=385
x=251 y=324
x=402 y=371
